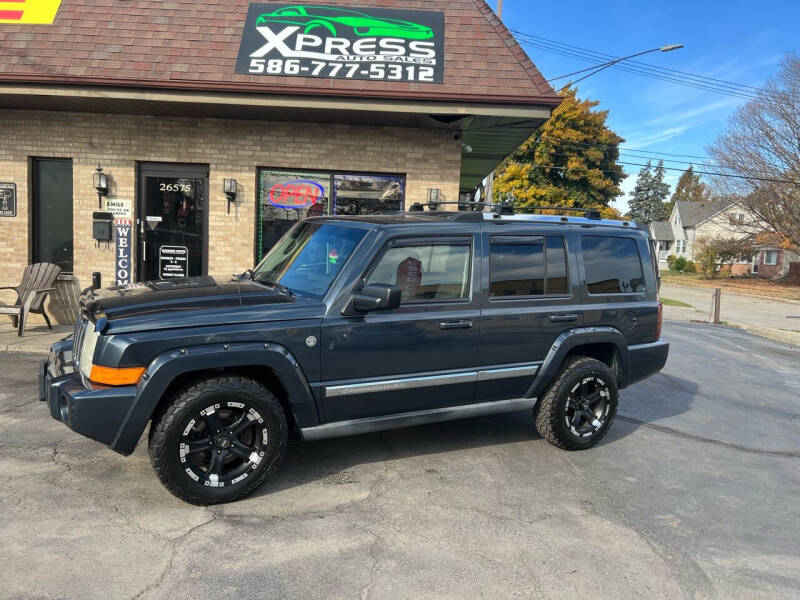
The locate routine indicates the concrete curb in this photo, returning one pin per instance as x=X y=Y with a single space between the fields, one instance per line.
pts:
x=777 y=335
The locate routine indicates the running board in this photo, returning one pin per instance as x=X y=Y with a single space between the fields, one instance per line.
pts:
x=410 y=419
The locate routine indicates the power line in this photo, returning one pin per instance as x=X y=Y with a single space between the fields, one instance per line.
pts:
x=646 y=153
x=558 y=168
x=606 y=56
x=654 y=75
x=654 y=72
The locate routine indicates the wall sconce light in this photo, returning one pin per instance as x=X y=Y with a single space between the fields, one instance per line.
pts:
x=231 y=189
x=100 y=181
x=433 y=198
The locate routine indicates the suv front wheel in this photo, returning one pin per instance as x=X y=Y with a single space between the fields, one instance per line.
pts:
x=577 y=409
x=218 y=439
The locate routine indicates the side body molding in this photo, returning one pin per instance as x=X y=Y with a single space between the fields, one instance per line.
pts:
x=568 y=340
x=171 y=364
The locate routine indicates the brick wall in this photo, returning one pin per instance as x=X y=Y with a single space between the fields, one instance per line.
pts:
x=231 y=148
x=770 y=271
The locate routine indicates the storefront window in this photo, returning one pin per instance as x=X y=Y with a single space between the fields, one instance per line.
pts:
x=368 y=194
x=285 y=197
x=288 y=196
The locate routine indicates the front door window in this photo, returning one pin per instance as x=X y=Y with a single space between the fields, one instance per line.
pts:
x=172 y=218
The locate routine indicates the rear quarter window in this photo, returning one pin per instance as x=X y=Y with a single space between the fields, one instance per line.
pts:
x=613 y=265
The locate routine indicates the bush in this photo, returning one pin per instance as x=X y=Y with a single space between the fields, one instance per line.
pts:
x=679 y=264
x=707 y=257
x=690 y=267
x=671 y=261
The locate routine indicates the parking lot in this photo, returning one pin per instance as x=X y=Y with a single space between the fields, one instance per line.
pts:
x=693 y=494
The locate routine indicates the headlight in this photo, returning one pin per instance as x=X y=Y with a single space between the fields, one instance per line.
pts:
x=88 y=345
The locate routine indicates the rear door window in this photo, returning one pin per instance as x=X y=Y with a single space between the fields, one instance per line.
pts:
x=527 y=266
x=613 y=265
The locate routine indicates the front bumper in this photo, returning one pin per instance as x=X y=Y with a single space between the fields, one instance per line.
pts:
x=645 y=360
x=97 y=412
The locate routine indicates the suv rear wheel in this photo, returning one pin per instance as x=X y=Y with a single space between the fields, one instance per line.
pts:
x=218 y=440
x=577 y=409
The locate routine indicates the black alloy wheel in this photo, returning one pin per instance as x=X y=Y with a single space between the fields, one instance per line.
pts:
x=218 y=439
x=223 y=444
x=577 y=409
x=587 y=406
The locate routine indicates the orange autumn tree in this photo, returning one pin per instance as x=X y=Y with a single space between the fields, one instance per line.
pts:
x=571 y=160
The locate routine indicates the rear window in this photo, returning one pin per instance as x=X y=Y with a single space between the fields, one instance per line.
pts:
x=613 y=265
x=527 y=266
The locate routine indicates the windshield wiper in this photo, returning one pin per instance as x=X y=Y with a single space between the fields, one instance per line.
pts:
x=278 y=286
x=248 y=274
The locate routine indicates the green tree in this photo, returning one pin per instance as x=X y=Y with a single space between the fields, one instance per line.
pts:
x=647 y=201
x=689 y=188
x=571 y=160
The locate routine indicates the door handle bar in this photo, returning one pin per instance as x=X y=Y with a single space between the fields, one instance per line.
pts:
x=563 y=317
x=460 y=324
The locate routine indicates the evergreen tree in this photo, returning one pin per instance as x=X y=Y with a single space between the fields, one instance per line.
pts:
x=647 y=201
x=637 y=204
x=571 y=160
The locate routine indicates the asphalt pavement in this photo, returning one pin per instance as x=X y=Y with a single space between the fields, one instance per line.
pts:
x=693 y=494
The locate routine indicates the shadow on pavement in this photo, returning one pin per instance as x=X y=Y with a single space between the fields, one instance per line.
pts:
x=307 y=462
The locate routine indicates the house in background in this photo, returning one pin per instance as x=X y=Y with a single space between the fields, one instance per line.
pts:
x=677 y=234
x=690 y=221
x=661 y=232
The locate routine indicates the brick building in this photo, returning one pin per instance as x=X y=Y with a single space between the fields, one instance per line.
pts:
x=304 y=109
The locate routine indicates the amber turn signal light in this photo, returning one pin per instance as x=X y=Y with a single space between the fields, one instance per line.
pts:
x=115 y=376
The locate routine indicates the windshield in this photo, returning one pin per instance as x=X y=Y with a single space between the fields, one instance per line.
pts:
x=307 y=259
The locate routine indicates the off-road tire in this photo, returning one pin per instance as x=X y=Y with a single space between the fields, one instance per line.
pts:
x=171 y=420
x=549 y=412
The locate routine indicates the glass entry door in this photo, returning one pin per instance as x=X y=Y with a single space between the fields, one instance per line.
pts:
x=172 y=221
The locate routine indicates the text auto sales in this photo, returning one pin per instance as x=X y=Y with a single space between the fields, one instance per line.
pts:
x=373 y=58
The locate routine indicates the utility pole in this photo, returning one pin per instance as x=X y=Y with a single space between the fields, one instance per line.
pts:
x=500 y=8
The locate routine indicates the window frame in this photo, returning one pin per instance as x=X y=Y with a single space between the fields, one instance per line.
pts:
x=35 y=209
x=766 y=254
x=641 y=267
x=437 y=240
x=543 y=237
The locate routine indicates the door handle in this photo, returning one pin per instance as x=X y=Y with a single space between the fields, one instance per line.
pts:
x=563 y=317
x=460 y=324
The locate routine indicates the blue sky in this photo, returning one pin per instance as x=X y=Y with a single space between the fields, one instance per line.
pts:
x=736 y=41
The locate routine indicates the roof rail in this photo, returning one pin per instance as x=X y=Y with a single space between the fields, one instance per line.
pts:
x=508 y=208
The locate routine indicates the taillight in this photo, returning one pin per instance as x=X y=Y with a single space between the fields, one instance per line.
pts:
x=660 y=320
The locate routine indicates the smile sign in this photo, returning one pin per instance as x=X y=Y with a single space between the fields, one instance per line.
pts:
x=343 y=43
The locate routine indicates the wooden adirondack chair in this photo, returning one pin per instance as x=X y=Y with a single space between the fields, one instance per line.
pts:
x=37 y=280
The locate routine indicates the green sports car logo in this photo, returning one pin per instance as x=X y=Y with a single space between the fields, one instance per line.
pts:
x=335 y=20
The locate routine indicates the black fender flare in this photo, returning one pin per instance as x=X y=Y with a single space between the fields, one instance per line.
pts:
x=169 y=365
x=569 y=339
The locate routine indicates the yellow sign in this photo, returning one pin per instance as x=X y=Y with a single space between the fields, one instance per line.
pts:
x=28 y=12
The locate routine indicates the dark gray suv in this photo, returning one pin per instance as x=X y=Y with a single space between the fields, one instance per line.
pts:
x=353 y=325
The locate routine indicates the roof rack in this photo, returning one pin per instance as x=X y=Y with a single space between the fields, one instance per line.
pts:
x=519 y=213
x=509 y=208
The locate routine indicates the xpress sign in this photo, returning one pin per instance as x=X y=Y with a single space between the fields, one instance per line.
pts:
x=343 y=43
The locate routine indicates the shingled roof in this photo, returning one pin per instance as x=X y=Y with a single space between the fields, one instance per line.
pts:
x=184 y=44
x=661 y=231
x=692 y=213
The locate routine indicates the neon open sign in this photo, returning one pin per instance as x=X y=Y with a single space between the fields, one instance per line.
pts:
x=296 y=194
